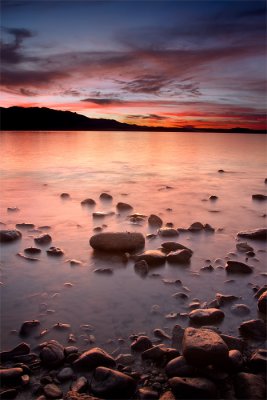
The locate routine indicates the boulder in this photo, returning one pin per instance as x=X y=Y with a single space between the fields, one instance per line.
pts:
x=179 y=367
x=118 y=241
x=155 y=221
x=108 y=383
x=249 y=386
x=179 y=256
x=152 y=257
x=237 y=267
x=255 y=234
x=20 y=350
x=94 y=358
x=193 y=388
x=9 y=235
x=255 y=329
x=28 y=327
x=165 y=232
x=204 y=316
x=202 y=347
x=10 y=375
x=262 y=303
x=52 y=353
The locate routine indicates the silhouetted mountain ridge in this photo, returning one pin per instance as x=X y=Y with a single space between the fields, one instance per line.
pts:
x=46 y=119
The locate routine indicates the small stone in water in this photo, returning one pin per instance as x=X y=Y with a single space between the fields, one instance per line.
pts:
x=68 y=284
x=55 y=251
x=65 y=195
x=103 y=270
x=43 y=239
x=61 y=326
x=32 y=250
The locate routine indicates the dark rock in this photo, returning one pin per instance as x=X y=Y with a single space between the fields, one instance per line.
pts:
x=172 y=246
x=52 y=391
x=181 y=296
x=259 y=292
x=13 y=209
x=177 y=337
x=152 y=257
x=193 y=388
x=256 y=234
x=65 y=374
x=20 y=349
x=43 y=239
x=155 y=221
x=141 y=344
x=80 y=385
x=203 y=347
x=168 y=232
x=9 y=235
x=32 y=250
x=254 y=328
x=179 y=256
x=94 y=358
x=141 y=267
x=105 y=196
x=88 y=202
x=206 y=316
x=196 y=227
x=106 y=271
x=102 y=214
x=10 y=375
x=258 y=361
x=154 y=353
x=213 y=197
x=240 y=309
x=55 y=251
x=221 y=171
x=249 y=386
x=52 y=353
x=147 y=393
x=179 y=367
x=72 y=395
x=208 y=228
x=225 y=299
x=160 y=333
x=167 y=396
x=207 y=268
x=118 y=241
x=259 y=197
x=108 y=383
x=262 y=303
x=243 y=247
x=235 y=361
x=65 y=195
x=25 y=225
x=28 y=326
x=8 y=394
x=237 y=267
x=233 y=342
x=123 y=207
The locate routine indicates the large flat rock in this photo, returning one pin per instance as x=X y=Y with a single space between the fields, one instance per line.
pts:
x=118 y=241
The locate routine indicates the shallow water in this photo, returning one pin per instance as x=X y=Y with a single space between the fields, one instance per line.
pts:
x=137 y=168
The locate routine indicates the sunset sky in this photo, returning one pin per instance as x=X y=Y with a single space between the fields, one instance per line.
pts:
x=165 y=63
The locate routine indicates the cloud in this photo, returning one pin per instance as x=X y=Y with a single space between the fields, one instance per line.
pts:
x=103 y=102
x=30 y=78
x=149 y=116
x=11 y=52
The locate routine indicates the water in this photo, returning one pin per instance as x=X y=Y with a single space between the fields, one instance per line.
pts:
x=153 y=172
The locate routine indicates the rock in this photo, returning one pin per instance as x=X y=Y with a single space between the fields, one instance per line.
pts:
x=88 y=202
x=19 y=350
x=259 y=292
x=107 y=271
x=102 y=214
x=10 y=375
x=196 y=227
x=179 y=256
x=221 y=171
x=258 y=361
x=259 y=197
x=61 y=327
x=225 y=299
x=147 y=393
x=141 y=344
x=25 y=225
x=109 y=383
x=233 y=343
x=206 y=315
x=177 y=337
x=152 y=257
x=52 y=353
x=123 y=207
x=262 y=303
x=75 y=262
x=193 y=388
x=55 y=251
x=240 y=309
x=52 y=391
x=243 y=247
x=160 y=333
x=65 y=374
x=125 y=359
x=8 y=393
x=237 y=267
x=179 y=367
x=80 y=384
x=207 y=268
x=118 y=241
x=235 y=361
x=43 y=239
x=94 y=358
x=180 y=295
x=208 y=228
x=28 y=326
x=167 y=396
x=249 y=386
x=172 y=246
x=72 y=395
x=168 y=232
x=154 y=353
x=203 y=347
x=105 y=196
x=155 y=221
x=13 y=209
x=141 y=267
x=254 y=328
x=9 y=235
x=32 y=250
x=256 y=234
x=213 y=197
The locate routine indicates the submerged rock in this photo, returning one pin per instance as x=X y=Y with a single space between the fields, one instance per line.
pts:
x=196 y=227
x=88 y=202
x=179 y=256
x=25 y=225
x=173 y=246
x=255 y=329
x=237 y=267
x=32 y=250
x=124 y=207
x=141 y=267
x=19 y=350
x=28 y=326
x=65 y=196
x=43 y=239
x=244 y=247
x=206 y=315
x=9 y=235
x=118 y=241
x=55 y=251
x=259 y=197
x=105 y=196
x=155 y=221
x=168 y=232
x=256 y=234
x=152 y=257
x=93 y=358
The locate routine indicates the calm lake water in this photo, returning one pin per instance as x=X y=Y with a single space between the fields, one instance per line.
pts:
x=168 y=174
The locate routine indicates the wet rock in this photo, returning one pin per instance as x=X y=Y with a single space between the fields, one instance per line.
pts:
x=65 y=195
x=32 y=250
x=61 y=327
x=213 y=197
x=55 y=251
x=203 y=347
x=206 y=316
x=208 y=228
x=124 y=207
x=237 y=267
x=72 y=395
x=10 y=375
x=179 y=367
x=165 y=232
x=196 y=227
x=28 y=327
x=109 y=383
x=260 y=291
x=43 y=239
x=102 y=214
x=75 y=262
x=249 y=386
x=255 y=329
x=235 y=361
x=80 y=384
x=256 y=234
x=167 y=396
x=173 y=246
x=262 y=303
x=141 y=267
x=7 y=236
x=105 y=196
x=180 y=296
x=118 y=241
x=152 y=257
x=52 y=353
x=94 y=358
x=106 y=271
x=155 y=221
x=25 y=225
x=8 y=394
x=193 y=388
x=65 y=374
x=154 y=353
x=243 y=247
x=258 y=361
x=141 y=344
x=177 y=337
x=233 y=342
x=259 y=197
x=160 y=333
x=88 y=202
x=52 y=391
x=19 y=350
x=207 y=268
x=240 y=309
x=225 y=299
x=147 y=393
x=13 y=209
x=221 y=171
x=125 y=359
x=179 y=256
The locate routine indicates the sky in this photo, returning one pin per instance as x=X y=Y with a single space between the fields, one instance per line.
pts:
x=158 y=63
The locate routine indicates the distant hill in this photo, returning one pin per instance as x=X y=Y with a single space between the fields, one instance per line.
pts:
x=46 y=119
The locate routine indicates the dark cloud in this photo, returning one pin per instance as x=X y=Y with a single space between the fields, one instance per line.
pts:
x=149 y=116
x=103 y=102
x=30 y=77
x=28 y=92
x=145 y=84
x=12 y=52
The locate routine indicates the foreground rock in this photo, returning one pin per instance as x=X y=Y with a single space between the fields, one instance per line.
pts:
x=118 y=241
x=152 y=257
x=179 y=367
x=52 y=353
x=141 y=344
x=108 y=383
x=94 y=358
x=258 y=361
x=55 y=251
x=124 y=207
x=255 y=329
x=262 y=303
x=237 y=267
x=180 y=256
x=28 y=326
x=206 y=316
x=256 y=234
x=250 y=386
x=9 y=235
x=10 y=375
x=193 y=388
x=203 y=347
x=20 y=350
x=52 y=391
